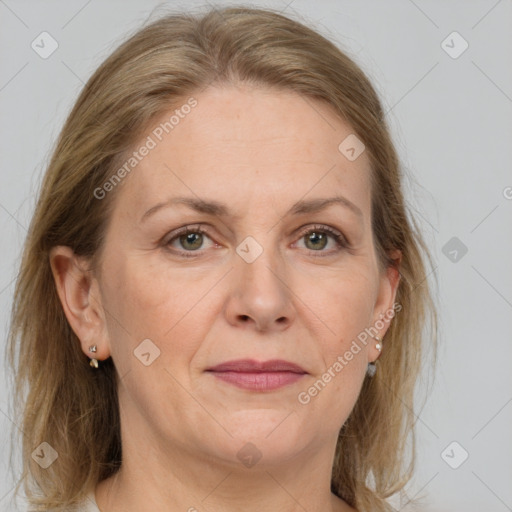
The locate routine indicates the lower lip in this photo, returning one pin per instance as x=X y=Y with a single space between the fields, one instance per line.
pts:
x=262 y=381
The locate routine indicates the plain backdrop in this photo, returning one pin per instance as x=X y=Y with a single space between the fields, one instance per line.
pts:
x=443 y=71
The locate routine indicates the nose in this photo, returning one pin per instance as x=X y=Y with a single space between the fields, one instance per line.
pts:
x=261 y=296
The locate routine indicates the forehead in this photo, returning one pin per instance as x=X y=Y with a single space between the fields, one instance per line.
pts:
x=238 y=144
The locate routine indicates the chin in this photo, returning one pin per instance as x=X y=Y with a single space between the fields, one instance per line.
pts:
x=276 y=433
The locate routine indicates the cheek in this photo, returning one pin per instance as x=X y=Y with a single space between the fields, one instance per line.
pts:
x=343 y=304
x=137 y=297
x=156 y=302
x=332 y=393
x=348 y=360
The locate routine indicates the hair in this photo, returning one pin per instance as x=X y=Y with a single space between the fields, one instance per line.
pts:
x=58 y=398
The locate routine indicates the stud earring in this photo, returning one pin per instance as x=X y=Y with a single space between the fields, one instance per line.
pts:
x=372 y=367
x=93 y=362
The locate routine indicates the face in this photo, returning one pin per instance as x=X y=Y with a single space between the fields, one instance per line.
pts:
x=222 y=247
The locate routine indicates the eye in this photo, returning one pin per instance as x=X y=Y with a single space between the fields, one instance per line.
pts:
x=189 y=238
x=316 y=239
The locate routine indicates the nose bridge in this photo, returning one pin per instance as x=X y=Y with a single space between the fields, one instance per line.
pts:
x=259 y=261
x=260 y=291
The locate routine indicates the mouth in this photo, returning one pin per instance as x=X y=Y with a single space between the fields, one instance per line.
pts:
x=258 y=376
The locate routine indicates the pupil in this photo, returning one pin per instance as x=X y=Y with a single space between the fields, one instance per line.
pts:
x=190 y=238
x=317 y=236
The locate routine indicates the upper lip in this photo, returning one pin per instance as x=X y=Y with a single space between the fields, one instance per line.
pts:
x=253 y=366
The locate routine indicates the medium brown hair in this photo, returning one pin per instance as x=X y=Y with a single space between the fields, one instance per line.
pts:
x=59 y=398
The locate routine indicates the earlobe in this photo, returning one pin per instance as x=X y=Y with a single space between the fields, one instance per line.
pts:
x=81 y=305
x=384 y=309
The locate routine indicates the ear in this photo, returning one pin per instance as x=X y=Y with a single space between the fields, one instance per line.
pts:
x=80 y=297
x=384 y=309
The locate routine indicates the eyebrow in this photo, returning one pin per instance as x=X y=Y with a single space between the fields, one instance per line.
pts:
x=221 y=210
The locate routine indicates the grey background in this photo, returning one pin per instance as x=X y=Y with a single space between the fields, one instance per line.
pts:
x=452 y=124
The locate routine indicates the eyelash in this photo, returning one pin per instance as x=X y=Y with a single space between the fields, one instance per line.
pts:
x=341 y=241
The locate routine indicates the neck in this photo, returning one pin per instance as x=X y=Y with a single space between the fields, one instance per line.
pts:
x=149 y=480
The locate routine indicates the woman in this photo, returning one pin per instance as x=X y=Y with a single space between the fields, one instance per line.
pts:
x=219 y=255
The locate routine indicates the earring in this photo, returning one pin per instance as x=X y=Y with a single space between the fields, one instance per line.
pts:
x=372 y=367
x=93 y=362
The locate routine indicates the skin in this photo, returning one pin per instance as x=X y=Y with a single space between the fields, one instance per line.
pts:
x=258 y=151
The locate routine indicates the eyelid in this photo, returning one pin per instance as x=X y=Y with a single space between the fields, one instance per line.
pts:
x=175 y=234
x=322 y=227
x=340 y=239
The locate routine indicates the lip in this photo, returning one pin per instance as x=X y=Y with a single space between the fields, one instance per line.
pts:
x=256 y=375
x=253 y=366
